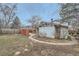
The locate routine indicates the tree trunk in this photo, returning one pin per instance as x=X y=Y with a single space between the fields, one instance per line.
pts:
x=37 y=32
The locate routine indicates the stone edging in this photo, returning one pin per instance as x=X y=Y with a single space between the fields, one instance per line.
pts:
x=49 y=43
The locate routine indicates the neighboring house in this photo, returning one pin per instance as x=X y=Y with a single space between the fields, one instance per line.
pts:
x=53 y=30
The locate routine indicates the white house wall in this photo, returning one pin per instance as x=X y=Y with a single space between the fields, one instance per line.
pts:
x=47 y=32
x=63 y=33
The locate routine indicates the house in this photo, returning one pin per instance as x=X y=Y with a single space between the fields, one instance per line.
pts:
x=53 y=30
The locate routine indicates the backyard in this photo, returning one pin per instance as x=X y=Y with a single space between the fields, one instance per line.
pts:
x=39 y=29
x=16 y=44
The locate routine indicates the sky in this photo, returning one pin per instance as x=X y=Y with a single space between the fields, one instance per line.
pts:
x=45 y=10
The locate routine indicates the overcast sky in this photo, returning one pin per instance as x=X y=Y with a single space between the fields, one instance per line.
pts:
x=45 y=10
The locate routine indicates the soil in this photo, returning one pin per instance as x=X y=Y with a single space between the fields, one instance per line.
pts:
x=52 y=51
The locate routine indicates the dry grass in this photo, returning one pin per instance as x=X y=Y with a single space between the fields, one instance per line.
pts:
x=9 y=44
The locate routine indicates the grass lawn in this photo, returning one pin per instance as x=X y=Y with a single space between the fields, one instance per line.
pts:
x=9 y=44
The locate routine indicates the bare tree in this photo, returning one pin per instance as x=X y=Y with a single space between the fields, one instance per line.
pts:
x=35 y=21
x=70 y=13
x=16 y=23
x=7 y=13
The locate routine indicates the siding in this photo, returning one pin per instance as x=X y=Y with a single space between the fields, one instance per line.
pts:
x=64 y=32
x=47 y=32
x=50 y=32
